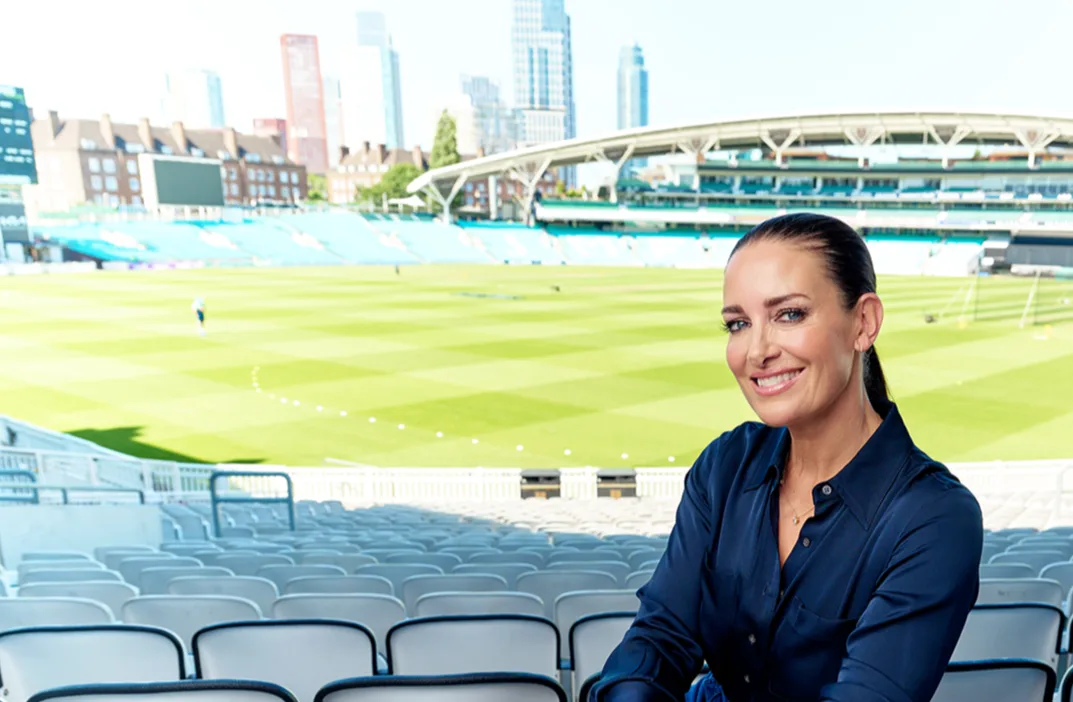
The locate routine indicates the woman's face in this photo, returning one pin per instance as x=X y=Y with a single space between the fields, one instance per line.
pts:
x=792 y=343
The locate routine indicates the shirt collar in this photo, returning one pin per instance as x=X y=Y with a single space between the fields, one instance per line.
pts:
x=864 y=482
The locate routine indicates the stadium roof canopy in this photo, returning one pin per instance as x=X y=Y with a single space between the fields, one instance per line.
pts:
x=779 y=134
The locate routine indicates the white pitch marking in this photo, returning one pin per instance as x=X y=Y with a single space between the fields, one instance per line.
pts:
x=342 y=413
x=475 y=441
x=283 y=400
x=258 y=389
x=372 y=420
x=519 y=447
x=296 y=403
x=670 y=459
x=319 y=408
x=402 y=426
x=566 y=452
x=625 y=455
x=439 y=435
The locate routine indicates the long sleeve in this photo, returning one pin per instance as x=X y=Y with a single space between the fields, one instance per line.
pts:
x=660 y=654
x=902 y=643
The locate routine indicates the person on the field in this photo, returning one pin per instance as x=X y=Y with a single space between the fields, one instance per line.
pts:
x=817 y=554
x=198 y=307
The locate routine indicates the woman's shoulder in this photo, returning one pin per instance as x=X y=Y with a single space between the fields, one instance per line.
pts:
x=936 y=493
x=750 y=445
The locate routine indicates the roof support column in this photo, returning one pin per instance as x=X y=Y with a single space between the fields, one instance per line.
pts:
x=618 y=164
x=436 y=191
x=863 y=137
x=1035 y=142
x=782 y=144
x=956 y=138
x=530 y=174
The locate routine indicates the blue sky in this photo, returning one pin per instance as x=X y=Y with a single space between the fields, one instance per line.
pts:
x=708 y=59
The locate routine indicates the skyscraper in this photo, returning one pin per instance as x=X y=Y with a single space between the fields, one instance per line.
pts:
x=632 y=88
x=632 y=94
x=332 y=118
x=195 y=98
x=543 y=72
x=483 y=121
x=370 y=87
x=304 y=92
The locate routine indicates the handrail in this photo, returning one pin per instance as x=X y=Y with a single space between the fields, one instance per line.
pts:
x=30 y=478
x=64 y=491
x=216 y=499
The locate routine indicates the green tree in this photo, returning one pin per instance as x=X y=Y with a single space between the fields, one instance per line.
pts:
x=445 y=146
x=393 y=184
x=317 y=188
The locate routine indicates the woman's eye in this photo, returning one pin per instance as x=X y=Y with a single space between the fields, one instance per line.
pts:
x=792 y=315
x=734 y=325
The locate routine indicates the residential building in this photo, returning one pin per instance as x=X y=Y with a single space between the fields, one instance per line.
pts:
x=303 y=86
x=96 y=161
x=370 y=86
x=543 y=73
x=364 y=167
x=195 y=98
x=632 y=94
x=272 y=127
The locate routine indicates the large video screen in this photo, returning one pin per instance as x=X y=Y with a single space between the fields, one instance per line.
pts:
x=17 y=166
x=188 y=183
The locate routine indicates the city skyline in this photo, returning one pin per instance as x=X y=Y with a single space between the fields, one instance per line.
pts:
x=701 y=71
x=370 y=86
x=194 y=96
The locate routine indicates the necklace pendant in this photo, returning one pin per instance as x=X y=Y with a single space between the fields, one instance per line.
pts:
x=795 y=519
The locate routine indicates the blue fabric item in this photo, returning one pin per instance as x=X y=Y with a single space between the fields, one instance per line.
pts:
x=867 y=608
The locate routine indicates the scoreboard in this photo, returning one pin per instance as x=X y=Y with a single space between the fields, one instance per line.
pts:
x=17 y=165
x=181 y=182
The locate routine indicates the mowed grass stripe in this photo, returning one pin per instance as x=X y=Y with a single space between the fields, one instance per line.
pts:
x=617 y=361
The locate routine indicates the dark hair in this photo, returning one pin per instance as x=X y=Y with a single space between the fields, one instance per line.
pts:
x=849 y=265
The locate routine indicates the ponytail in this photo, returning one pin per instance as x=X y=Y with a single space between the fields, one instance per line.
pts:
x=875 y=383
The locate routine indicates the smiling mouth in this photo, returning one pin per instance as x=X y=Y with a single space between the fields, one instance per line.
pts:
x=774 y=384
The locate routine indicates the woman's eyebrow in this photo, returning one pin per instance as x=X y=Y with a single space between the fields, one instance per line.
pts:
x=770 y=302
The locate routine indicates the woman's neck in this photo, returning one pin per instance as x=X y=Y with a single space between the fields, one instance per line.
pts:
x=820 y=449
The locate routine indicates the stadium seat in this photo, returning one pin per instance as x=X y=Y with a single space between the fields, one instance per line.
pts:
x=54 y=556
x=113 y=595
x=1017 y=590
x=300 y=655
x=31 y=566
x=397 y=573
x=184 y=691
x=282 y=574
x=573 y=606
x=999 y=571
x=413 y=588
x=378 y=613
x=261 y=592
x=548 y=585
x=131 y=568
x=101 y=552
x=339 y=584
x=69 y=576
x=592 y=639
x=250 y=564
x=51 y=611
x=507 y=571
x=1011 y=631
x=155 y=581
x=1007 y=680
x=635 y=581
x=40 y=658
x=350 y=562
x=473 y=644
x=443 y=561
x=615 y=569
x=184 y=615
x=1037 y=560
x=113 y=558
x=447 y=604
x=495 y=687
x=512 y=558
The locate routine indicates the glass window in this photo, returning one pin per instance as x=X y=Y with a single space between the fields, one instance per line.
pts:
x=196 y=152
x=285 y=191
x=261 y=190
x=94 y=164
x=136 y=200
x=132 y=167
x=294 y=177
x=234 y=189
x=270 y=176
x=253 y=190
x=111 y=184
x=95 y=182
x=233 y=174
x=135 y=186
x=109 y=165
x=271 y=191
x=166 y=150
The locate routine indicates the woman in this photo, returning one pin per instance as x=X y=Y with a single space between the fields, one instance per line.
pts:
x=818 y=555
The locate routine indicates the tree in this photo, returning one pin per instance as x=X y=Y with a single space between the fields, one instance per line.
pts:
x=317 y=188
x=445 y=146
x=393 y=184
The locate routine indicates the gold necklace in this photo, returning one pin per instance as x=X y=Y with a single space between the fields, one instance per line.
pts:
x=797 y=518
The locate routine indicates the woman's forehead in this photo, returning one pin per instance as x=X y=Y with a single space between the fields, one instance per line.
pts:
x=770 y=268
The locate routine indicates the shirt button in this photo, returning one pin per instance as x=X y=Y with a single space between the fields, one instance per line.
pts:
x=806 y=542
x=752 y=639
x=747 y=680
x=826 y=489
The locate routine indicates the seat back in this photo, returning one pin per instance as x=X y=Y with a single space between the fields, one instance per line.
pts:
x=111 y=594
x=572 y=606
x=132 y=568
x=250 y=564
x=350 y=562
x=261 y=592
x=1010 y=680
x=635 y=581
x=155 y=581
x=397 y=573
x=474 y=644
x=186 y=614
x=1010 y=631
x=300 y=655
x=413 y=588
x=17 y=612
x=184 y=691
x=36 y=659
x=593 y=638
x=494 y=687
x=1013 y=590
x=1037 y=560
x=328 y=584
x=998 y=571
x=548 y=585
x=507 y=571
x=445 y=604
x=377 y=613
x=78 y=575
x=282 y=574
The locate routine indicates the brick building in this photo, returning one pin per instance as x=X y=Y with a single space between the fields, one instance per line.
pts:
x=96 y=161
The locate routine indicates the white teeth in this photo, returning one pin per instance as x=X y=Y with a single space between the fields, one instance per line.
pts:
x=774 y=380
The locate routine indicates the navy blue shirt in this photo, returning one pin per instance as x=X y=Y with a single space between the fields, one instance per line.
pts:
x=867 y=608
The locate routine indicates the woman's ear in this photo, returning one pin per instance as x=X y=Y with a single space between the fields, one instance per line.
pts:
x=868 y=315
